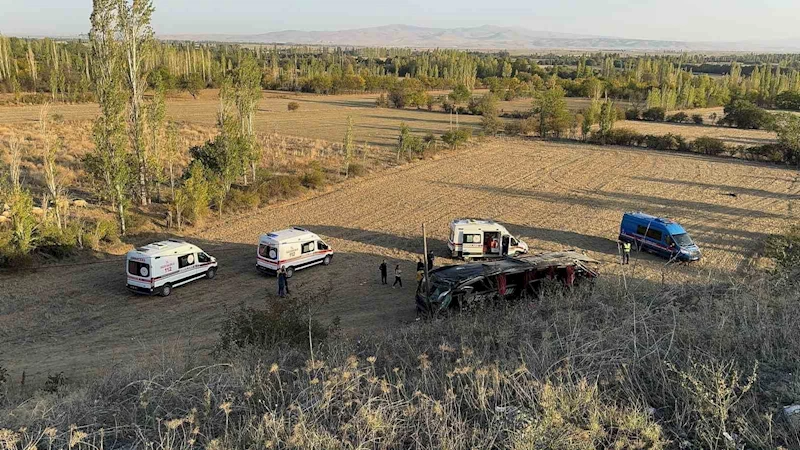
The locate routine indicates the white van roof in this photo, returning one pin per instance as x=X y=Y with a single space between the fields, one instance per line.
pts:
x=457 y=222
x=163 y=248
x=288 y=235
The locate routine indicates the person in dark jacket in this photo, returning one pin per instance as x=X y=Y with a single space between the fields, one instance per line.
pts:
x=283 y=286
x=384 y=269
x=430 y=260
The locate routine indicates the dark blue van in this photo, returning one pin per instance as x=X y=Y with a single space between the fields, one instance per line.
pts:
x=657 y=235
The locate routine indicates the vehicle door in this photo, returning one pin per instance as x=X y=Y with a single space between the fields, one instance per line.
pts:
x=506 y=245
x=472 y=244
x=187 y=266
x=308 y=252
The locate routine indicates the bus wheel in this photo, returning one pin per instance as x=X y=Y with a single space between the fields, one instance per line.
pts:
x=327 y=260
x=212 y=272
x=166 y=290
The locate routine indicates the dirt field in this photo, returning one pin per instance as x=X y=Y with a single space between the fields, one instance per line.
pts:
x=555 y=196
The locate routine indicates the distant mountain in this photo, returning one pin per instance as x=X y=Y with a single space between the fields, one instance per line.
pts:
x=478 y=38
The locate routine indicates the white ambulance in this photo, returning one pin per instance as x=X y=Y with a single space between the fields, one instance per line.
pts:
x=159 y=267
x=480 y=238
x=293 y=248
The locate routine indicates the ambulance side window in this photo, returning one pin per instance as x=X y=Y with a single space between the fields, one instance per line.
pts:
x=472 y=238
x=203 y=258
x=186 y=261
x=321 y=245
x=308 y=247
x=514 y=242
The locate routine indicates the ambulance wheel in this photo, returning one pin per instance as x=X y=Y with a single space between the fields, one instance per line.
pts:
x=212 y=272
x=289 y=272
x=327 y=260
x=166 y=290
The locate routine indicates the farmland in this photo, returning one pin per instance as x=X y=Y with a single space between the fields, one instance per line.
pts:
x=80 y=318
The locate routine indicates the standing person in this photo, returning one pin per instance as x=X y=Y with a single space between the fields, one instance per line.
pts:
x=384 y=268
x=430 y=260
x=420 y=272
x=282 y=282
x=626 y=253
x=397 y=273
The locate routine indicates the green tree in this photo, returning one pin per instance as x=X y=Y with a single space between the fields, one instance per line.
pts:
x=608 y=115
x=156 y=115
x=551 y=107
x=197 y=190
x=459 y=95
x=247 y=93
x=108 y=163
x=133 y=25
x=787 y=126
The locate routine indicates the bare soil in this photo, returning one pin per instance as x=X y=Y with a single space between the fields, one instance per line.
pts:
x=80 y=318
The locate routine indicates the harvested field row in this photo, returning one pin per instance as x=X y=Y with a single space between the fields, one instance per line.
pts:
x=554 y=196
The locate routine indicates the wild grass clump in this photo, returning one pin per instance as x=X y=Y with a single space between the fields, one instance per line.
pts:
x=293 y=106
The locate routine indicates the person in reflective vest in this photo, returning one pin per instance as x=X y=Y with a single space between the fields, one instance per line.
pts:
x=626 y=252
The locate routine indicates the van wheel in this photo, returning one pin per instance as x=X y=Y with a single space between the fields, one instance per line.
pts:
x=212 y=272
x=166 y=290
x=289 y=272
x=327 y=260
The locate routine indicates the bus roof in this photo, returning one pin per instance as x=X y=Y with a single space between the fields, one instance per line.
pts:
x=457 y=222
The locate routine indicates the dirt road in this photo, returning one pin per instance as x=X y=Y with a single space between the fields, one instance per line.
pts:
x=554 y=196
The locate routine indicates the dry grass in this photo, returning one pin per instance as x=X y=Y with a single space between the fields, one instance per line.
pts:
x=650 y=368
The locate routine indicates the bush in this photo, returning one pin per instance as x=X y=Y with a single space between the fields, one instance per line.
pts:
x=270 y=186
x=633 y=114
x=285 y=322
x=382 y=101
x=744 y=114
x=313 y=178
x=666 y=142
x=698 y=119
x=709 y=146
x=655 y=114
x=293 y=106
x=770 y=153
x=785 y=249
x=679 y=117
x=454 y=138
x=788 y=100
x=243 y=199
x=522 y=127
x=619 y=136
x=357 y=169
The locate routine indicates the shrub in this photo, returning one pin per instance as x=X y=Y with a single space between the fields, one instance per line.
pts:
x=633 y=114
x=284 y=322
x=293 y=106
x=313 y=178
x=522 y=126
x=454 y=138
x=656 y=114
x=698 y=119
x=785 y=248
x=769 y=153
x=788 y=100
x=279 y=186
x=744 y=114
x=382 y=101
x=679 y=117
x=666 y=142
x=243 y=199
x=357 y=169
x=619 y=136
x=709 y=146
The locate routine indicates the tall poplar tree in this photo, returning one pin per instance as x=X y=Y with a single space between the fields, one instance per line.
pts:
x=136 y=34
x=109 y=162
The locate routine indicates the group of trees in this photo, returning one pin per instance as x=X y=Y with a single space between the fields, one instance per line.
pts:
x=64 y=70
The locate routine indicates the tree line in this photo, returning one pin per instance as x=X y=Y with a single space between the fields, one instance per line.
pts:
x=62 y=69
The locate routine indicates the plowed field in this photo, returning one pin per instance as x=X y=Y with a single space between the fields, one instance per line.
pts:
x=555 y=196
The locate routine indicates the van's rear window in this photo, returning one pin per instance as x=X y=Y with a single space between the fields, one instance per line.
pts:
x=267 y=251
x=139 y=269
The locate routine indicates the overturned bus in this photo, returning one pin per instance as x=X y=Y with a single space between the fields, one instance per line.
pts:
x=462 y=285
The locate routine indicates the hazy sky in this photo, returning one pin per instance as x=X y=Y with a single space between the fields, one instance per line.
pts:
x=697 y=20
